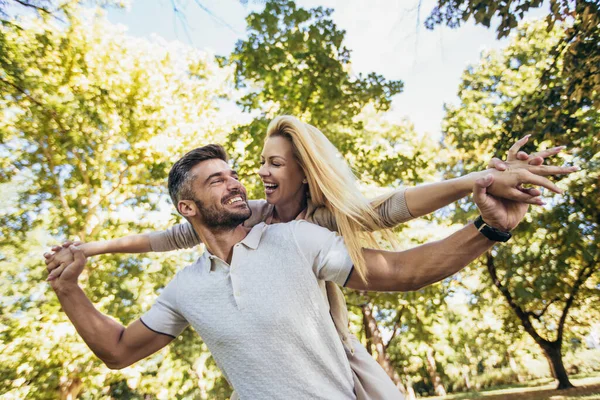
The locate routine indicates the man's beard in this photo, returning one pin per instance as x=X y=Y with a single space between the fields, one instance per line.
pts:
x=222 y=219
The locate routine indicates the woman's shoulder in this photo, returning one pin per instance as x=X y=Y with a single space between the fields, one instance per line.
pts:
x=261 y=210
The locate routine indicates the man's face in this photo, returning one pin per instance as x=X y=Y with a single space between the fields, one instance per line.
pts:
x=218 y=195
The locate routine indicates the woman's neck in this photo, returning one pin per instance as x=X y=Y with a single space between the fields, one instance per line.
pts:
x=289 y=211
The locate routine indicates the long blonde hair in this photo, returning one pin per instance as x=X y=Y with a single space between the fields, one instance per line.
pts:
x=332 y=184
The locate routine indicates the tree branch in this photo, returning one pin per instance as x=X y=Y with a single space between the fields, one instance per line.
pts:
x=29 y=5
x=396 y=326
x=53 y=115
x=583 y=276
x=523 y=316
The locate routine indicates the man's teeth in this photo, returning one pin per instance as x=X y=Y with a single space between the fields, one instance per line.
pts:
x=234 y=200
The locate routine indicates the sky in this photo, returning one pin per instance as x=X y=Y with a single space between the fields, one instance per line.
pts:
x=386 y=36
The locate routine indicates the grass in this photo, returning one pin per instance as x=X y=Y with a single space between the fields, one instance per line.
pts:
x=587 y=388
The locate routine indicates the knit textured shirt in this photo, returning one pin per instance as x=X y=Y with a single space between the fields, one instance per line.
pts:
x=265 y=318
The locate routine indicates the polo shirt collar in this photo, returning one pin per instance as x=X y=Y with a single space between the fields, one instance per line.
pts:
x=251 y=241
x=253 y=237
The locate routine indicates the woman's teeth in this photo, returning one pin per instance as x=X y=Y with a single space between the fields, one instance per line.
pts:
x=270 y=185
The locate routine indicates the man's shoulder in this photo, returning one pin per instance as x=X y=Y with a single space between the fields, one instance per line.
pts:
x=301 y=232
x=193 y=268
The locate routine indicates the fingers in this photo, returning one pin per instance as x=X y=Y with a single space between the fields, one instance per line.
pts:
x=522 y=195
x=497 y=163
x=514 y=149
x=536 y=161
x=548 y=152
x=531 y=191
x=532 y=179
x=548 y=170
x=54 y=274
x=480 y=188
x=52 y=264
x=77 y=254
x=522 y=156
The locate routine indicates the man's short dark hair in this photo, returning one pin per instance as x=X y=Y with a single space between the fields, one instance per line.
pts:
x=180 y=187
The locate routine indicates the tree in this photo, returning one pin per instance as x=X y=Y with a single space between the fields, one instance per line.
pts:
x=91 y=121
x=294 y=61
x=578 y=48
x=552 y=263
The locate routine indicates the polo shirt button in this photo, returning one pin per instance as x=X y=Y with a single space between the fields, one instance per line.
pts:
x=237 y=294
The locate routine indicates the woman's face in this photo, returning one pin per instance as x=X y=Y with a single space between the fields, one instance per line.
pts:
x=281 y=174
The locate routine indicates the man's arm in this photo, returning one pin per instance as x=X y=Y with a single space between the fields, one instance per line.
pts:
x=115 y=345
x=423 y=265
x=420 y=266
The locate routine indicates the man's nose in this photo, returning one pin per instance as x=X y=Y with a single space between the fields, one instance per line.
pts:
x=233 y=183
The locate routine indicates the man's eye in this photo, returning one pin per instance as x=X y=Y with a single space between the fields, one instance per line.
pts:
x=217 y=181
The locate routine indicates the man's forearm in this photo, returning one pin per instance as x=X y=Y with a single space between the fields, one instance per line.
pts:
x=420 y=266
x=425 y=199
x=100 y=332
x=435 y=261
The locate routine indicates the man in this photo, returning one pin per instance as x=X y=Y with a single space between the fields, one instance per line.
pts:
x=256 y=295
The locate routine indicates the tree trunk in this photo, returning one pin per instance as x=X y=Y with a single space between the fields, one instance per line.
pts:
x=71 y=390
x=513 y=366
x=438 y=387
x=382 y=357
x=200 y=370
x=410 y=391
x=554 y=357
x=367 y=335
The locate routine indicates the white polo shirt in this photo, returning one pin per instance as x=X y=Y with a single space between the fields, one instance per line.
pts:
x=265 y=318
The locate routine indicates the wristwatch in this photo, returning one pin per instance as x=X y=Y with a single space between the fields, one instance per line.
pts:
x=490 y=232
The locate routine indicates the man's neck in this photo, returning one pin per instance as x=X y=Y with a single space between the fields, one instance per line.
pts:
x=220 y=242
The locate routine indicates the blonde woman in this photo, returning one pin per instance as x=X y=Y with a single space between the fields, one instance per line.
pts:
x=304 y=180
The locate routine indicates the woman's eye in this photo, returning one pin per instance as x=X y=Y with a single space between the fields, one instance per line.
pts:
x=276 y=165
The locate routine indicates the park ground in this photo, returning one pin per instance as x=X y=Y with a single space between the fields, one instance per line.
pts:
x=587 y=388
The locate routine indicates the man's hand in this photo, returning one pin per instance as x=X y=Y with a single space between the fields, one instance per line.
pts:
x=58 y=259
x=70 y=272
x=499 y=213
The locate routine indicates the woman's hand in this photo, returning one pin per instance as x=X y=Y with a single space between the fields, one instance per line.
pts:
x=516 y=158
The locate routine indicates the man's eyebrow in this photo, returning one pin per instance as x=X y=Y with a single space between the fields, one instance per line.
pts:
x=220 y=173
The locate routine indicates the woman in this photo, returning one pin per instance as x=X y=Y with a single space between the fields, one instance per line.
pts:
x=304 y=180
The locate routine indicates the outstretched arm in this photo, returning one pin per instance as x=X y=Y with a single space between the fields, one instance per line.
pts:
x=180 y=236
x=114 y=344
x=423 y=265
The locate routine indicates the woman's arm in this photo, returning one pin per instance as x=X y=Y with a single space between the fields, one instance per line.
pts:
x=424 y=199
x=180 y=236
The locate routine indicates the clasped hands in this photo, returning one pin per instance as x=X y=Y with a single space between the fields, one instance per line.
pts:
x=500 y=194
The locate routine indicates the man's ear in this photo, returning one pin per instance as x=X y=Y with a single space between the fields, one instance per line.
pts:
x=187 y=208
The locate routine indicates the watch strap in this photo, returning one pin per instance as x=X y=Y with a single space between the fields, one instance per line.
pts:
x=490 y=232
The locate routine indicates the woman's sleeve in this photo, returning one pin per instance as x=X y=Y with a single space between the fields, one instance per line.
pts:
x=392 y=211
x=180 y=236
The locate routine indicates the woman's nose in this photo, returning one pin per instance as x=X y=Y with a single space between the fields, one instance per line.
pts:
x=263 y=170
